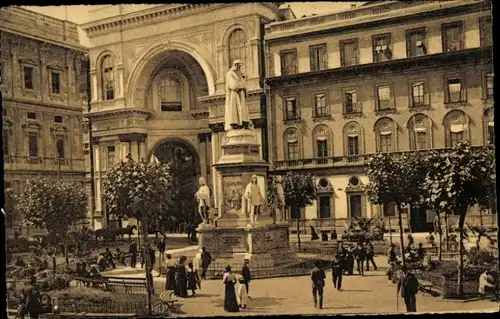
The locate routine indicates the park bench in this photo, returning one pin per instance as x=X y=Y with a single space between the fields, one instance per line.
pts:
x=167 y=299
x=426 y=287
x=130 y=285
x=101 y=282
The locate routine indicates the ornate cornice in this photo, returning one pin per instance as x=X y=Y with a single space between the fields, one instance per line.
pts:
x=118 y=112
x=146 y=17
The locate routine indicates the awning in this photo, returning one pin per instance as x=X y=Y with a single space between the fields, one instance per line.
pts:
x=321 y=138
x=352 y=135
x=385 y=133
x=292 y=140
x=420 y=129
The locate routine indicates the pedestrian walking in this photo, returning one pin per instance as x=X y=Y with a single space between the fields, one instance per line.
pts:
x=31 y=299
x=193 y=280
x=229 y=281
x=170 y=274
x=408 y=285
x=242 y=295
x=245 y=272
x=162 y=245
x=342 y=255
x=349 y=261
x=318 y=283
x=181 y=278
x=370 y=253
x=430 y=240
x=337 y=273
x=206 y=260
x=360 y=256
x=132 y=250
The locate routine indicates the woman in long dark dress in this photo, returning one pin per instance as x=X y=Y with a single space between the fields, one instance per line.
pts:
x=229 y=281
x=181 y=278
x=170 y=275
x=192 y=279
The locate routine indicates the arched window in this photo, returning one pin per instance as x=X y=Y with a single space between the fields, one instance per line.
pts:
x=292 y=144
x=385 y=132
x=489 y=127
x=353 y=141
x=237 y=49
x=170 y=90
x=108 y=78
x=419 y=131
x=321 y=141
x=456 y=125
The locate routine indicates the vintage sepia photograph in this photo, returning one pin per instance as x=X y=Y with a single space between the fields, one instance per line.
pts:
x=249 y=158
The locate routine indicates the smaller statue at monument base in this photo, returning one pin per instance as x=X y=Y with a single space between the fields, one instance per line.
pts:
x=280 y=214
x=254 y=200
x=203 y=198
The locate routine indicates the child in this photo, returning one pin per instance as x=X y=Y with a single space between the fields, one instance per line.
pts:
x=242 y=296
x=193 y=279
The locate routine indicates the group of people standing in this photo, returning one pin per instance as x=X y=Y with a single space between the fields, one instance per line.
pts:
x=180 y=278
x=236 y=297
x=362 y=254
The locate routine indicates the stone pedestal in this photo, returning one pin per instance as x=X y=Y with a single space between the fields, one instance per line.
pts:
x=235 y=239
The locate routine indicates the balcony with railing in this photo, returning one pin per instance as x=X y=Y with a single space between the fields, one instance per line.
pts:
x=321 y=162
x=48 y=164
x=340 y=161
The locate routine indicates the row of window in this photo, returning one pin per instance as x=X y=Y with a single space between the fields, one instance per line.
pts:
x=454 y=87
x=55 y=80
x=33 y=145
x=452 y=35
x=420 y=133
x=33 y=116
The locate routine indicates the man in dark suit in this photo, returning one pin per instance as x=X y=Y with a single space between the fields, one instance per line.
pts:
x=318 y=283
x=337 y=270
x=408 y=285
x=132 y=250
x=245 y=272
x=206 y=260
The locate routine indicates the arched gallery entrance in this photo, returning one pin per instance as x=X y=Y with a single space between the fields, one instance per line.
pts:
x=185 y=168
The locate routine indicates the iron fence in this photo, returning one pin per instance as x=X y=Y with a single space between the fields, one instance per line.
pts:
x=78 y=306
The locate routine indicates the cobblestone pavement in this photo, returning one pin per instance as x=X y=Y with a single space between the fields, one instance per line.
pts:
x=292 y=295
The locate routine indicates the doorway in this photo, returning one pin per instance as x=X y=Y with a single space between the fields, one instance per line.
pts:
x=418 y=220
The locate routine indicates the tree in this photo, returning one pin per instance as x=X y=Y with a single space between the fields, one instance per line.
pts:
x=140 y=190
x=12 y=217
x=459 y=179
x=273 y=202
x=396 y=180
x=55 y=207
x=300 y=191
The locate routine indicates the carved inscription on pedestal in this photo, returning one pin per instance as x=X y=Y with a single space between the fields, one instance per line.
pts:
x=232 y=243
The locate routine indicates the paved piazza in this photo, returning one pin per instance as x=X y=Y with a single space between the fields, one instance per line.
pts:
x=292 y=295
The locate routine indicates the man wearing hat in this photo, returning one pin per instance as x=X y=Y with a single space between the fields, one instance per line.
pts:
x=236 y=111
x=245 y=273
x=408 y=285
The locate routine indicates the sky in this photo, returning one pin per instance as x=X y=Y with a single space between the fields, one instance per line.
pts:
x=78 y=13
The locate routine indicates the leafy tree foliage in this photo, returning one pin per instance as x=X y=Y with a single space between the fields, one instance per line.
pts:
x=54 y=206
x=11 y=212
x=299 y=189
x=458 y=179
x=396 y=180
x=273 y=201
x=138 y=190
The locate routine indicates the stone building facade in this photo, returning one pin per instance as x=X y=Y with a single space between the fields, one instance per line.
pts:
x=158 y=83
x=41 y=98
x=384 y=77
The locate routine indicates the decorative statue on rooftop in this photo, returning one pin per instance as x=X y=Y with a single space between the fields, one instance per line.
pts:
x=236 y=111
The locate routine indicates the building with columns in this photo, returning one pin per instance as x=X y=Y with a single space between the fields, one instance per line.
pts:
x=158 y=83
x=41 y=98
x=387 y=76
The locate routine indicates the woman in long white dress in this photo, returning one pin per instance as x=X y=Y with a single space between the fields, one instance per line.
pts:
x=242 y=295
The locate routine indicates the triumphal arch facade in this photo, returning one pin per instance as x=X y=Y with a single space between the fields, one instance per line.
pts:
x=158 y=87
